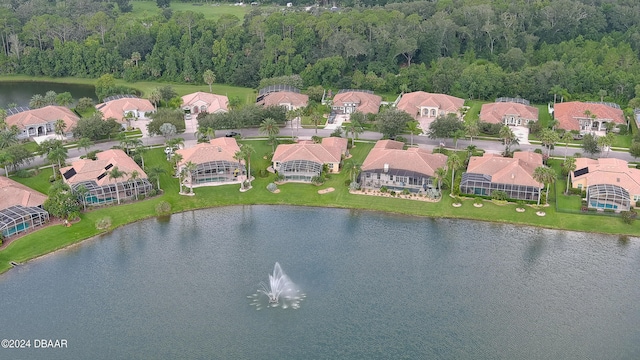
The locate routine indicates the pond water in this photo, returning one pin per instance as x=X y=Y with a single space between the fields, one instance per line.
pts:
x=21 y=92
x=377 y=287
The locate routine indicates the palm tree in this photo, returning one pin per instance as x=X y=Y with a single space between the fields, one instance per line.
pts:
x=239 y=156
x=472 y=130
x=569 y=164
x=190 y=167
x=414 y=129
x=181 y=176
x=140 y=149
x=439 y=175
x=115 y=174
x=82 y=192
x=207 y=133
x=58 y=155
x=6 y=160
x=86 y=144
x=555 y=90
x=544 y=175
x=549 y=138
x=37 y=101
x=248 y=150
x=209 y=78
x=457 y=135
x=155 y=96
x=566 y=138
x=354 y=169
x=132 y=178
x=470 y=150
x=315 y=119
x=271 y=129
x=135 y=57
x=507 y=135
x=154 y=173
x=605 y=142
x=8 y=138
x=453 y=162
x=175 y=143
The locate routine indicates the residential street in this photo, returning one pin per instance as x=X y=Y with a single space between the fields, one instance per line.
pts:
x=422 y=141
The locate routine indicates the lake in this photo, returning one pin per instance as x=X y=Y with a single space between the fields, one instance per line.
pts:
x=377 y=286
x=20 y=92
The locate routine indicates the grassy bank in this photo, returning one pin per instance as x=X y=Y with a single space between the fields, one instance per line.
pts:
x=56 y=237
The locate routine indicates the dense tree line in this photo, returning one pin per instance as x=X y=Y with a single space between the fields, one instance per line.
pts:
x=530 y=48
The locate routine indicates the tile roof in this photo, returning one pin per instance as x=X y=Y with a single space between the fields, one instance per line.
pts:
x=368 y=103
x=320 y=153
x=116 y=108
x=43 y=115
x=517 y=170
x=285 y=97
x=494 y=112
x=568 y=113
x=338 y=142
x=412 y=102
x=90 y=170
x=222 y=148
x=13 y=193
x=390 y=153
x=215 y=103
x=608 y=171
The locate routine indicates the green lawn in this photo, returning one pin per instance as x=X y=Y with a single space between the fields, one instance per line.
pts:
x=473 y=114
x=55 y=237
x=144 y=9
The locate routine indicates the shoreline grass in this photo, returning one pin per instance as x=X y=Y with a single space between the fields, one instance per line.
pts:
x=53 y=238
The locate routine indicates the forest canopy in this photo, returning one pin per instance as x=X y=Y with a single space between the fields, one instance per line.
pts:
x=535 y=49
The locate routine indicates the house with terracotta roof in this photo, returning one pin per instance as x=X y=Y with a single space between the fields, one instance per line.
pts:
x=289 y=99
x=426 y=107
x=20 y=208
x=304 y=160
x=508 y=113
x=492 y=172
x=92 y=179
x=215 y=163
x=42 y=121
x=198 y=102
x=389 y=165
x=126 y=108
x=587 y=117
x=609 y=183
x=350 y=101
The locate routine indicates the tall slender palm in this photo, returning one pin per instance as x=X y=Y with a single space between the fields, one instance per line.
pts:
x=315 y=119
x=453 y=162
x=6 y=160
x=248 y=150
x=439 y=175
x=566 y=138
x=133 y=179
x=82 y=192
x=549 y=138
x=37 y=101
x=57 y=155
x=569 y=164
x=472 y=130
x=354 y=170
x=271 y=129
x=154 y=173
x=509 y=138
x=116 y=174
x=470 y=150
x=240 y=156
x=155 y=96
x=544 y=175
x=190 y=168
x=414 y=129
x=209 y=78
x=140 y=149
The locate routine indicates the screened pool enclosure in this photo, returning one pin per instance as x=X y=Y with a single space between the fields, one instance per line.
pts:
x=93 y=195
x=608 y=196
x=300 y=170
x=396 y=179
x=219 y=171
x=480 y=184
x=16 y=219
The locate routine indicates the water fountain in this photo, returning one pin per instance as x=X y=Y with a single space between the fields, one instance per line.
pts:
x=280 y=292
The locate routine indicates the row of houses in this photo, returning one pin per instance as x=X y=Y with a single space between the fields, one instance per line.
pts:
x=425 y=107
x=607 y=183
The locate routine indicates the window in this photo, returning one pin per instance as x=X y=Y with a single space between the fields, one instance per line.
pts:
x=579 y=186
